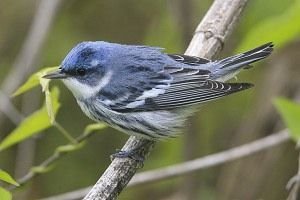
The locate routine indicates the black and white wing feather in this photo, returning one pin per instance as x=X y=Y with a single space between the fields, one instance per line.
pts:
x=195 y=82
x=189 y=60
x=186 y=87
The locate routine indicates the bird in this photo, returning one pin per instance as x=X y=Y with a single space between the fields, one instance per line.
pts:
x=145 y=92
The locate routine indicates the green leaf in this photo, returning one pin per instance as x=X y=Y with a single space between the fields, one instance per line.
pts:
x=279 y=29
x=33 y=124
x=69 y=147
x=4 y=194
x=52 y=103
x=4 y=176
x=41 y=169
x=290 y=112
x=93 y=127
x=34 y=80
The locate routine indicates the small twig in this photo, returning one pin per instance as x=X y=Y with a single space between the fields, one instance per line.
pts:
x=294 y=183
x=193 y=165
x=64 y=132
x=50 y=160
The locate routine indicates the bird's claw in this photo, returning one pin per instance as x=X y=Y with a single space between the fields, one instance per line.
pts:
x=133 y=154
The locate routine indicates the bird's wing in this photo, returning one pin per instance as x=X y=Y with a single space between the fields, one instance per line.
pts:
x=189 y=60
x=186 y=87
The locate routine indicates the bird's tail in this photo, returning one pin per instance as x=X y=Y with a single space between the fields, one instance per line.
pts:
x=227 y=68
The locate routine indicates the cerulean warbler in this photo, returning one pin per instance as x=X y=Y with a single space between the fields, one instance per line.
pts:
x=143 y=91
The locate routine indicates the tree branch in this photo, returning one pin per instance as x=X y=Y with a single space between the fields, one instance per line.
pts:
x=9 y=109
x=207 y=41
x=294 y=184
x=211 y=160
x=194 y=165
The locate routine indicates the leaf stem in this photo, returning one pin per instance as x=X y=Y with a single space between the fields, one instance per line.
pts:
x=65 y=133
x=44 y=166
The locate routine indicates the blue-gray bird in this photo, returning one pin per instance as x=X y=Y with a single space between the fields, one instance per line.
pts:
x=143 y=91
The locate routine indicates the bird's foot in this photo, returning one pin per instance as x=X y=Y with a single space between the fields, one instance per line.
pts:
x=133 y=154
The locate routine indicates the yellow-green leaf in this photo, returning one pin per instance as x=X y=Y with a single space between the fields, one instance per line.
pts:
x=33 y=124
x=34 y=80
x=52 y=103
x=4 y=176
x=93 y=127
x=69 y=147
x=290 y=112
x=4 y=194
x=279 y=29
x=41 y=169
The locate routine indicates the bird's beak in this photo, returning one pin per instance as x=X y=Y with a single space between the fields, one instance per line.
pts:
x=56 y=75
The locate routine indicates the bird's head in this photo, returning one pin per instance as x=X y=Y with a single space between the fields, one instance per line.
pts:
x=84 y=69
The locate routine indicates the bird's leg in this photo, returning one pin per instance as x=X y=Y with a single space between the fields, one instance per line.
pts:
x=131 y=153
x=134 y=153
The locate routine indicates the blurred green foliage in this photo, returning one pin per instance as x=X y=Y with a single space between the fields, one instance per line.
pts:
x=4 y=176
x=290 y=113
x=4 y=194
x=280 y=29
x=34 y=80
x=34 y=123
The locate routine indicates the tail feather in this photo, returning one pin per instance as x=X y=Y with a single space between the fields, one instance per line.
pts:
x=227 y=68
x=248 y=57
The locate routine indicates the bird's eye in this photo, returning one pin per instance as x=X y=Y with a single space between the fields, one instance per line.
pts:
x=81 y=71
